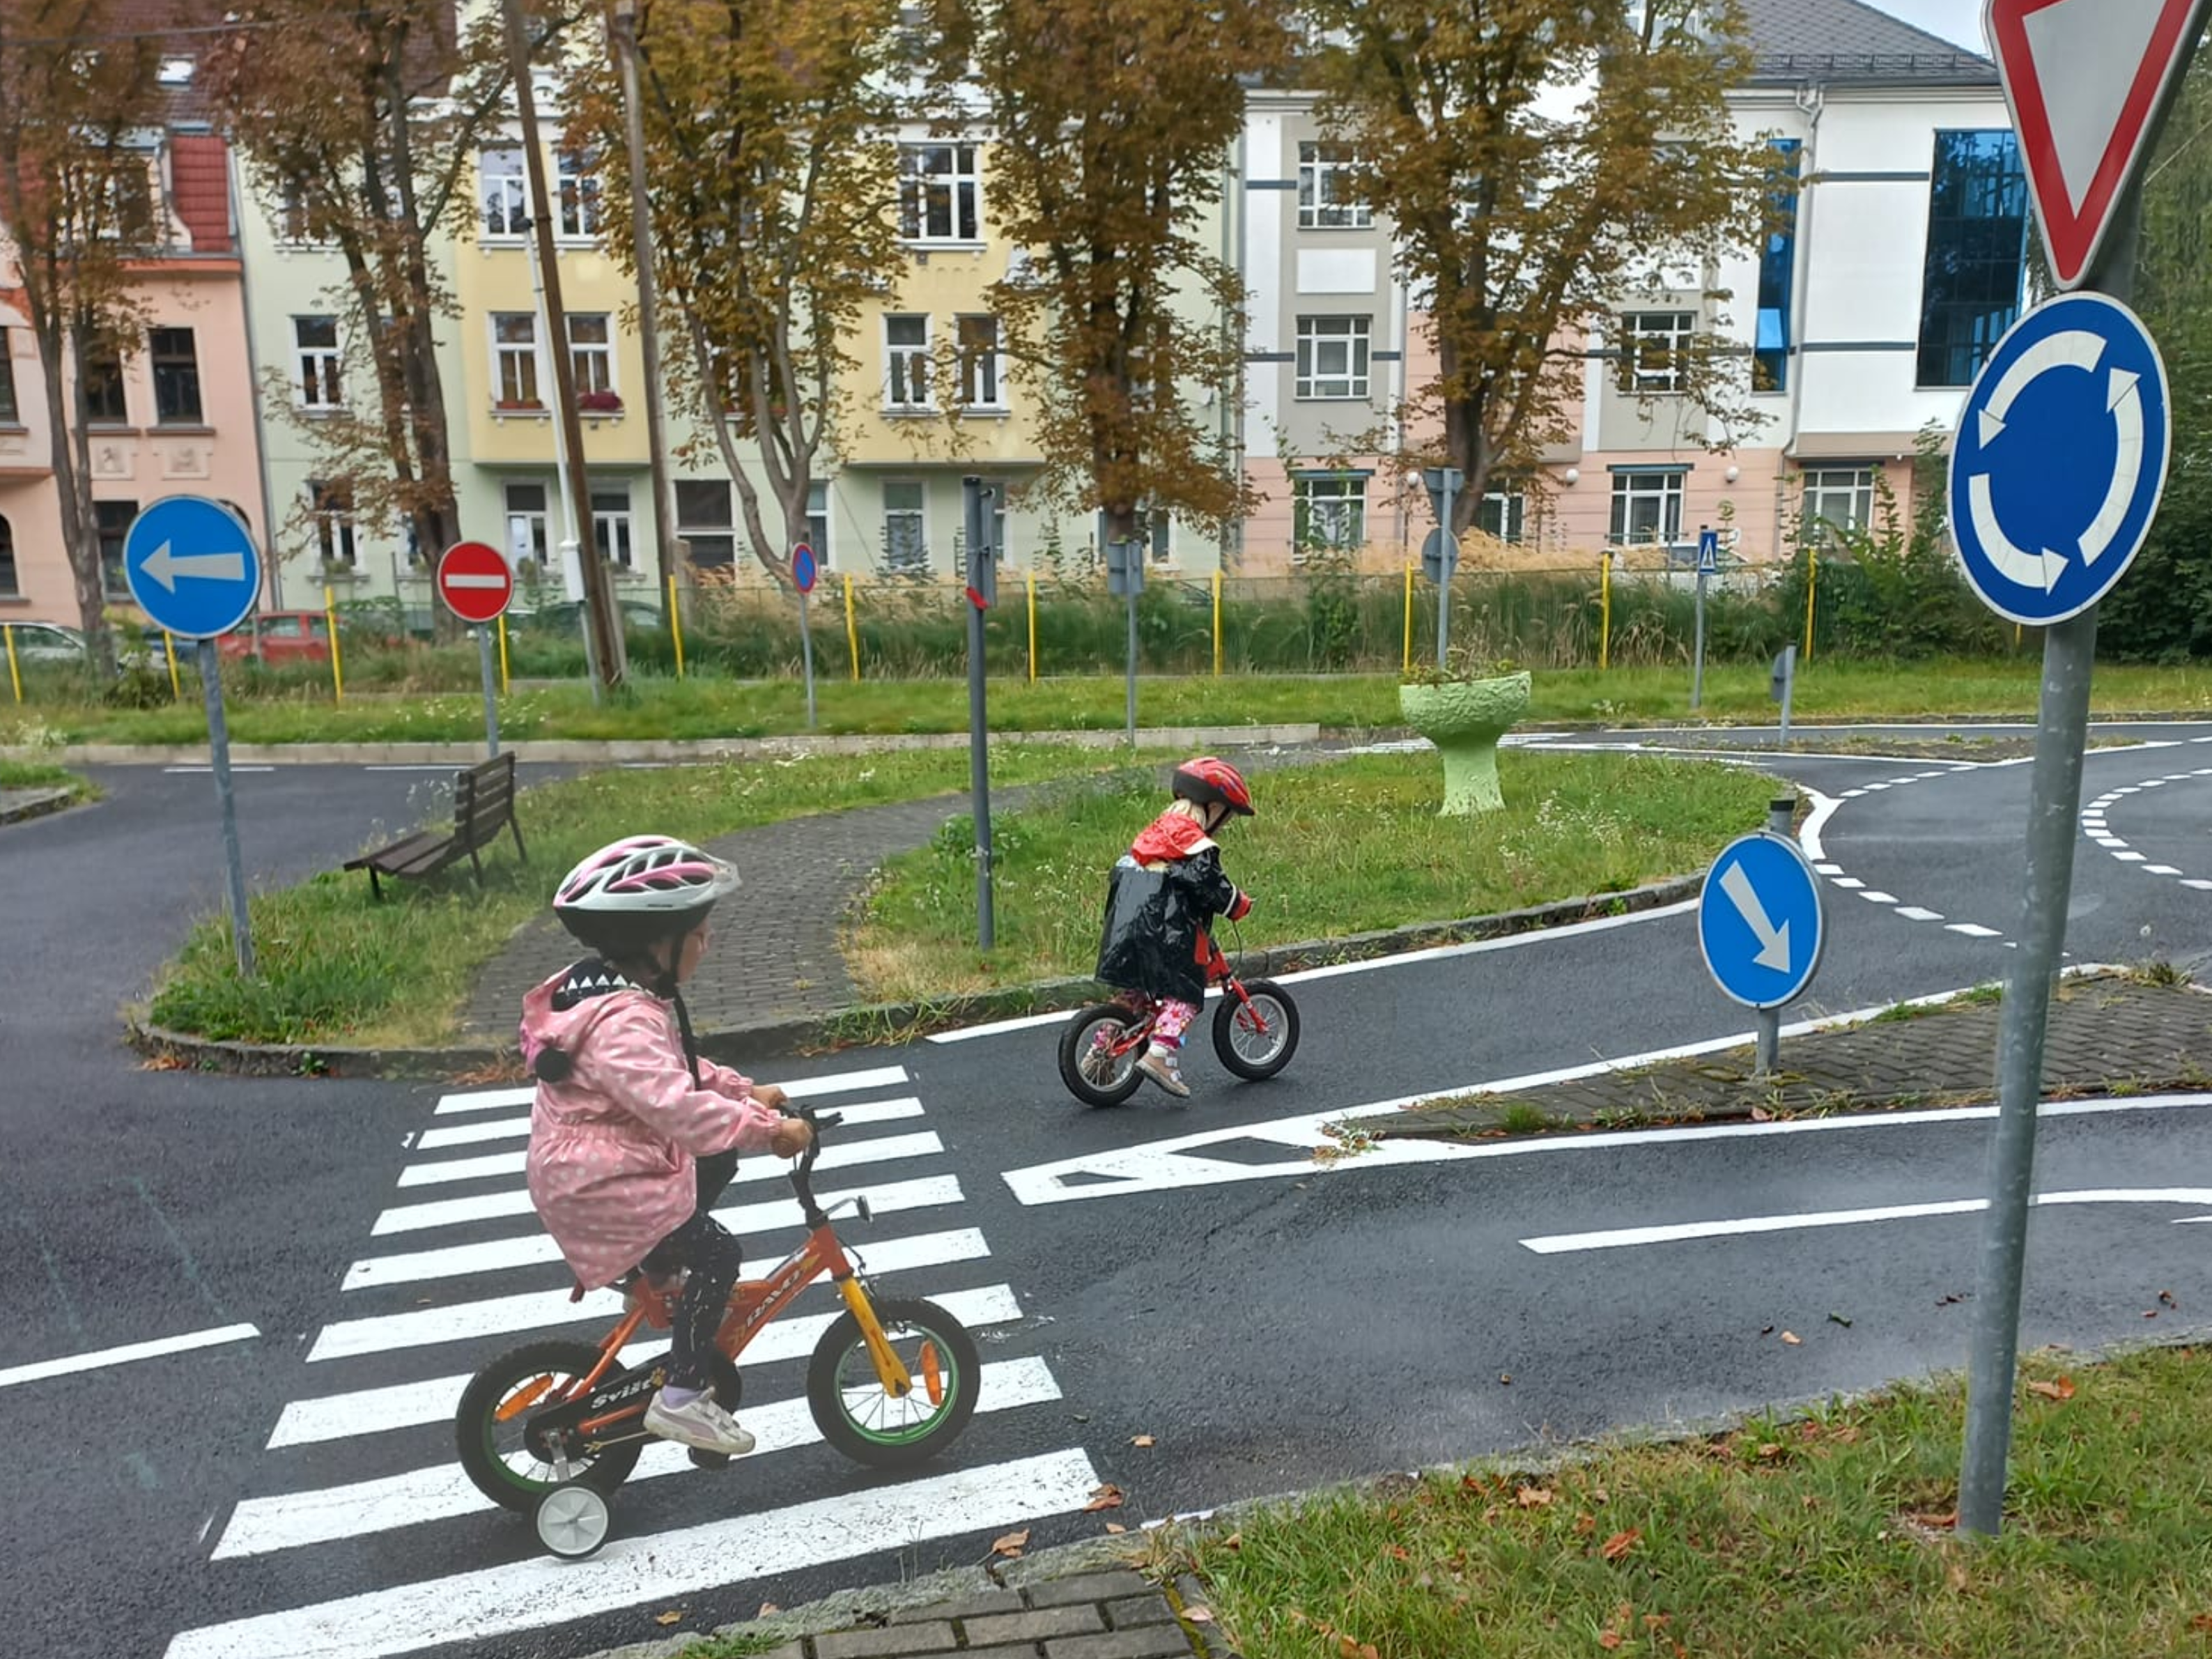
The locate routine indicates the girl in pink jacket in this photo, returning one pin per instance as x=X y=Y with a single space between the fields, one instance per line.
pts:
x=633 y=1136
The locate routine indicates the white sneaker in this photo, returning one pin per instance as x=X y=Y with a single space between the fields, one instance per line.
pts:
x=701 y=1424
x=1161 y=1066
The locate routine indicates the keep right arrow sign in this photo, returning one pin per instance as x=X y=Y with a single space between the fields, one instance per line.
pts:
x=2085 y=81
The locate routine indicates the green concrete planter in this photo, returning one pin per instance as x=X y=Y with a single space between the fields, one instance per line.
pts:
x=1465 y=719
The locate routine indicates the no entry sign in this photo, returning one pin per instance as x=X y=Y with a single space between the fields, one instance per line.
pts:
x=475 y=580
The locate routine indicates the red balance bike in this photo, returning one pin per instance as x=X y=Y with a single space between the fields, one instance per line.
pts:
x=1256 y=1032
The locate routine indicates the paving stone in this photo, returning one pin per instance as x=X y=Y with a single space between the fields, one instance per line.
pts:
x=1035 y=1626
x=977 y=1606
x=1132 y=1611
x=1088 y=1587
x=1155 y=1642
x=889 y=1643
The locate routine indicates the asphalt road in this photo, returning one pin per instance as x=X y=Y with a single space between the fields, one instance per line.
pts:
x=1272 y=1322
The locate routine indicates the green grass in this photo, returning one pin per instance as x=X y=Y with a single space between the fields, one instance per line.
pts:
x=337 y=969
x=700 y=707
x=1822 y=1538
x=1338 y=848
x=37 y=775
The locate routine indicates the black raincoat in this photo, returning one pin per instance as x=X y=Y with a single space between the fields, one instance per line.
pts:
x=1157 y=913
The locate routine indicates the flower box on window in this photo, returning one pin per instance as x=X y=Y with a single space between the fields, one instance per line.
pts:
x=600 y=403
x=518 y=406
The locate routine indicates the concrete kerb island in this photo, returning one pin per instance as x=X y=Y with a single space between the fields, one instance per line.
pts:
x=881 y=1022
x=17 y=805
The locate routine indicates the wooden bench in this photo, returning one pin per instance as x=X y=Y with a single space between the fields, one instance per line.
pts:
x=484 y=805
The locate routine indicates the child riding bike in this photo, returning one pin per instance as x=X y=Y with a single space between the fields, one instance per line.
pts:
x=633 y=1136
x=1163 y=896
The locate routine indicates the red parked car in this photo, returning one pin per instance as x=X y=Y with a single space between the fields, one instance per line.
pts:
x=277 y=636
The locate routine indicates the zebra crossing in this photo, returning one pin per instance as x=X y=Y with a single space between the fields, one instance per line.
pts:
x=358 y=1492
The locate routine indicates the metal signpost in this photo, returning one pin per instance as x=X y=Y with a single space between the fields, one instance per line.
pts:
x=193 y=568
x=805 y=573
x=978 y=500
x=478 y=584
x=1761 y=925
x=1781 y=684
x=1709 y=560
x=1125 y=574
x=2055 y=474
x=1440 y=548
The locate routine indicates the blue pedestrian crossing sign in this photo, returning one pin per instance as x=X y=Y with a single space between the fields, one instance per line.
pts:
x=1709 y=551
x=1760 y=921
x=2060 y=459
x=191 y=566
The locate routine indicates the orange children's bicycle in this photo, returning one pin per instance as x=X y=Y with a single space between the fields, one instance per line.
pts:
x=555 y=1426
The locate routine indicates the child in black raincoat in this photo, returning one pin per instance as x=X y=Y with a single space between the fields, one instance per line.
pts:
x=1164 y=896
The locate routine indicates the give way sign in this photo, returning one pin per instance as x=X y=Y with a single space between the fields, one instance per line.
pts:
x=2085 y=81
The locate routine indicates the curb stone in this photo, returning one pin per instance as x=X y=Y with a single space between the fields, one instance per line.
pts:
x=20 y=805
x=882 y=1022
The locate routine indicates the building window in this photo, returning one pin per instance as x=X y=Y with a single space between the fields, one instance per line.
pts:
x=576 y=176
x=1504 y=514
x=115 y=520
x=981 y=372
x=818 y=521
x=1654 y=345
x=321 y=385
x=1839 y=498
x=10 y=413
x=1329 y=514
x=703 y=518
x=11 y=582
x=104 y=403
x=611 y=525
x=906 y=527
x=1326 y=198
x=526 y=540
x=505 y=193
x=1976 y=251
x=1647 y=507
x=1159 y=529
x=1777 y=272
x=331 y=507
x=292 y=213
x=906 y=363
x=515 y=353
x=1332 y=357
x=176 y=378
x=938 y=191
x=591 y=352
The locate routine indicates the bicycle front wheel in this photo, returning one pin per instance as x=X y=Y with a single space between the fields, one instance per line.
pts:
x=861 y=1419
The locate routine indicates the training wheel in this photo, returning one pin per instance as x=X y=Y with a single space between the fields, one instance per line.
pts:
x=574 y=1519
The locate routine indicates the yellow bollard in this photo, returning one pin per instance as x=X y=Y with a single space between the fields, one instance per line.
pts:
x=1217 y=625
x=851 y=628
x=1812 y=586
x=1408 y=664
x=337 y=656
x=176 y=685
x=502 y=653
x=1029 y=580
x=15 y=674
x=676 y=627
x=1605 y=610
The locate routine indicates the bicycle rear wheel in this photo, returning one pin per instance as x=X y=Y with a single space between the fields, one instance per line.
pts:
x=1094 y=1063
x=508 y=1461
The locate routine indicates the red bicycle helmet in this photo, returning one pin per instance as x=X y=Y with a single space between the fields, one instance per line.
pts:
x=1207 y=780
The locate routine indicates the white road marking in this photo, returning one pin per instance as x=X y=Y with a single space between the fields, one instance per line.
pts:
x=1914 y=913
x=880 y=1076
x=517 y=1128
x=102 y=1359
x=1971 y=929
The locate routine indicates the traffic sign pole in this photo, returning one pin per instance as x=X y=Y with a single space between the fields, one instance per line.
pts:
x=226 y=804
x=477 y=584
x=1779 y=811
x=807 y=653
x=977 y=499
x=490 y=691
x=1446 y=563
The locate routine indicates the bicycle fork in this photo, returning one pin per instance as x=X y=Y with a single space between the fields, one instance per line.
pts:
x=891 y=1370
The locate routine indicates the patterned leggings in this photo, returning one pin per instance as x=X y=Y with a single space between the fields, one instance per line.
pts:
x=714 y=1257
x=1171 y=1018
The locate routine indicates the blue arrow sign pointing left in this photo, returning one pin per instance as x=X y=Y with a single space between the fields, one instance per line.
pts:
x=191 y=566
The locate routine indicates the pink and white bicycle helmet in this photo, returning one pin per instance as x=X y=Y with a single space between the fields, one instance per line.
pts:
x=642 y=889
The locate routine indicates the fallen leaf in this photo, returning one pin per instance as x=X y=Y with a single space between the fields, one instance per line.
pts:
x=1234 y=1542
x=1947 y=1301
x=1585 y=1524
x=1533 y=1498
x=1793 y=1339
x=1506 y=1378
x=1767 y=1330
x=1141 y=1440
x=1107 y=1497
x=1609 y=1640
x=2166 y=1296
x=1657 y=1620
x=1599 y=1495
x=2203 y=1621
x=1838 y=1319
x=2062 y=1389
x=1957 y=1575
x=1012 y=1544
x=675 y=1615
x=1760 y=1115
x=1198 y=1615
x=1400 y=1552
x=768 y=1609
x=1770 y=1451
x=1618 y=1544
x=1116 y=1526
x=2150 y=1313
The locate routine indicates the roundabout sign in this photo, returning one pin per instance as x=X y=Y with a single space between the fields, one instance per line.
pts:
x=2060 y=460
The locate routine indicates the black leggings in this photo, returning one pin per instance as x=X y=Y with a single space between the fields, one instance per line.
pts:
x=714 y=1256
